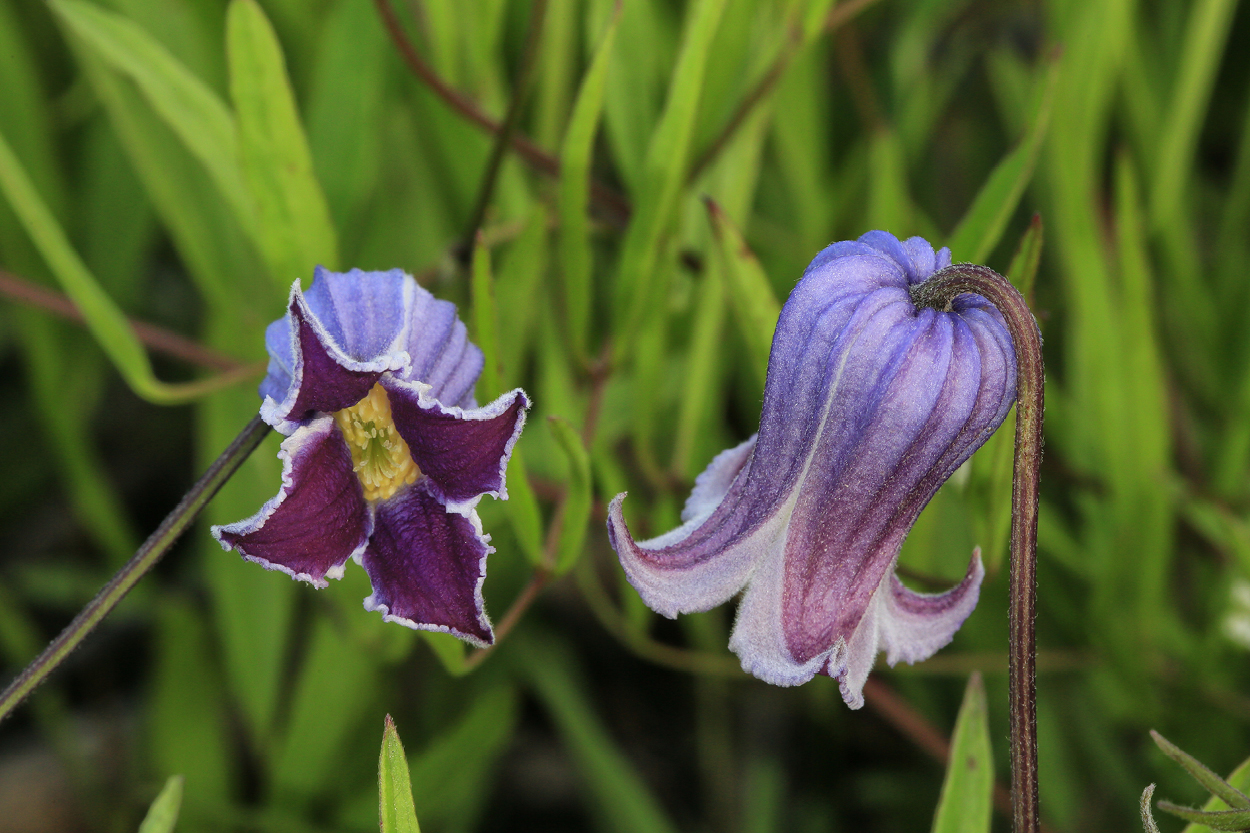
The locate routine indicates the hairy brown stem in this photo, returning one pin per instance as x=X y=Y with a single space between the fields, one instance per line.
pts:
x=938 y=292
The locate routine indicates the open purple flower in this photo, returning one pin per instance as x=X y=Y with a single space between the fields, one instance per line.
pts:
x=869 y=406
x=386 y=454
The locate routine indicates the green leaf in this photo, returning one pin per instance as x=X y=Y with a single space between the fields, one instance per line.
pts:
x=979 y=231
x=199 y=117
x=755 y=305
x=1022 y=271
x=1239 y=780
x=1205 y=37
x=1213 y=783
x=522 y=508
x=621 y=798
x=641 y=280
x=1219 y=820
x=449 y=650
x=577 y=502
x=968 y=789
x=574 y=198
x=106 y=322
x=705 y=358
x=293 y=222
x=335 y=670
x=451 y=775
x=486 y=321
x=396 y=813
x=163 y=814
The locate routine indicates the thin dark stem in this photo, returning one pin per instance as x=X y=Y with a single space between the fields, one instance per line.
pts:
x=503 y=136
x=763 y=88
x=938 y=292
x=144 y=560
x=156 y=338
x=614 y=206
x=900 y=714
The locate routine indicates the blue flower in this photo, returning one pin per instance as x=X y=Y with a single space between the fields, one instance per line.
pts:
x=386 y=454
x=870 y=404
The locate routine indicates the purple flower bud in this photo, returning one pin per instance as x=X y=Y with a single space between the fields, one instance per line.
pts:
x=870 y=404
x=386 y=454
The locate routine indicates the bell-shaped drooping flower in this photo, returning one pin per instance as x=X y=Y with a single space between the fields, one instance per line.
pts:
x=386 y=454
x=870 y=404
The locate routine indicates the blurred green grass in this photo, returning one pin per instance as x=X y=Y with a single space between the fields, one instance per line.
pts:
x=199 y=159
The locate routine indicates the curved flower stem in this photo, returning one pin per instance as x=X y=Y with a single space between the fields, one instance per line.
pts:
x=938 y=292
x=145 y=559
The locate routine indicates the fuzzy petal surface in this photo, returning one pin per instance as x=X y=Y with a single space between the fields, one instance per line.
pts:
x=870 y=404
x=427 y=566
x=317 y=520
x=464 y=453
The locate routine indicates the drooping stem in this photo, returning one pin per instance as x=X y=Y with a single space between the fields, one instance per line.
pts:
x=938 y=292
x=153 y=549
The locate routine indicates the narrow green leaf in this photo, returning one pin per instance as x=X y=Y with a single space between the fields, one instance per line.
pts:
x=294 y=230
x=890 y=204
x=577 y=503
x=1213 y=783
x=448 y=649
x=640 y=280
x=199 y=117
x=522 y=508
x=979 y=231
x=700 y=390
x=755 y=305
x=1239 y=779
x=486 y=322
x=1205 y=37
x=1235 y=820
x=396 y=813
x=163 y=814
x=621 y=799
x=335 y=670
x=451 y=775
x=574 y=198
x=106 y=322
x=1022 y=271
x=968 y=789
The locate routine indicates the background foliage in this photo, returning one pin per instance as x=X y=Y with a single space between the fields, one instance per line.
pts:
x=181 y=162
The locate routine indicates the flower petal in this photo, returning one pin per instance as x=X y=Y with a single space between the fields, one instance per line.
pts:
x=442 y=355
x=317 y=520
x=364 y=313
x=675 y=575
x=910 y=626
x=463 y=452
x=427 y=566
x=322 y=376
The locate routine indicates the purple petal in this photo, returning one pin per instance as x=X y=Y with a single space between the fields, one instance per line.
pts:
x=364 y=313
x=910 y=626
x=323 y=378
x=427 y=566
x=317 y=520
x=670 y=583
x=464 y=453
x=442 y=355
x=870 y=404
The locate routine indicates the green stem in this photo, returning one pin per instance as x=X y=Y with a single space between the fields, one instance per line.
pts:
x=938 y=292
x=153 y=549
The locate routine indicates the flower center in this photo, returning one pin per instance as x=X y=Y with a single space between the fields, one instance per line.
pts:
x=380 y=457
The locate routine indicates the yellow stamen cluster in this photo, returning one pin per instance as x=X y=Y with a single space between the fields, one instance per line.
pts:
x=380 y=457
